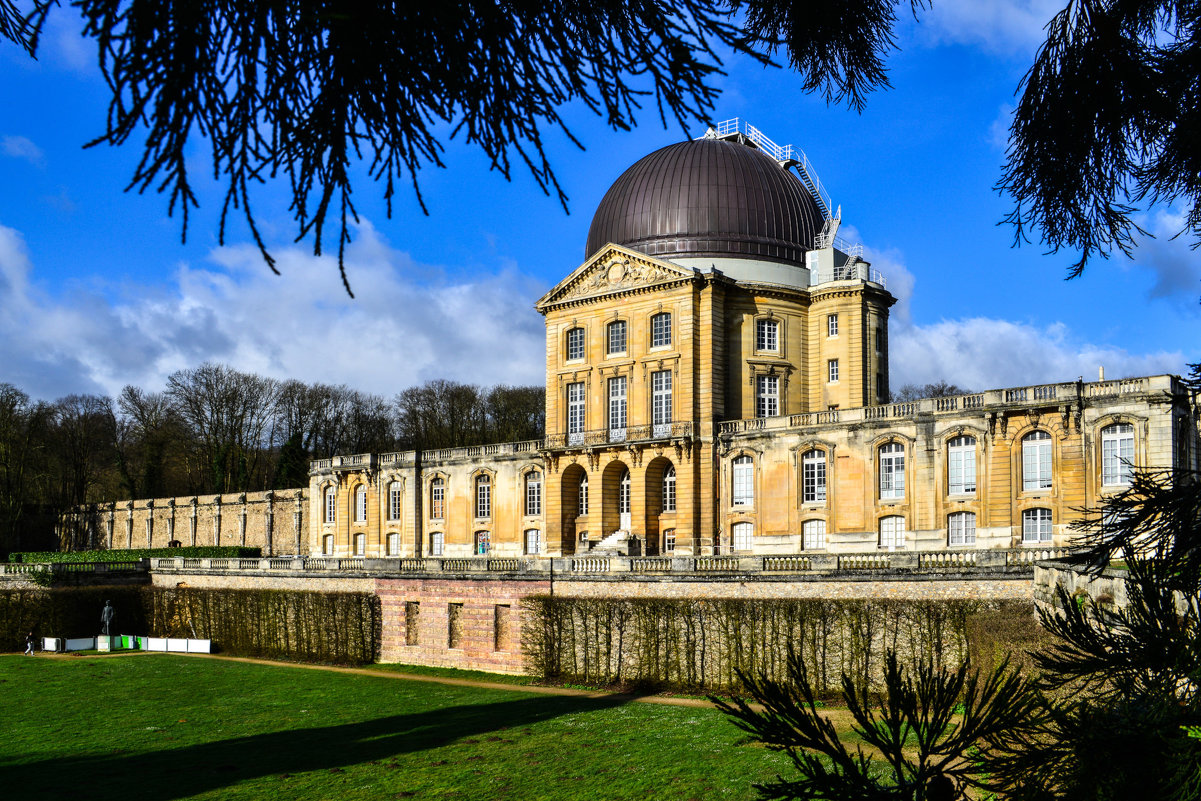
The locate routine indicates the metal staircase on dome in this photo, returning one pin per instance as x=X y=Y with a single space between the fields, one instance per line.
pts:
x=794 y=160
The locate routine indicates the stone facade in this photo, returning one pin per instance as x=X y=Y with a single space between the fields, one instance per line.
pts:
x=274 y=521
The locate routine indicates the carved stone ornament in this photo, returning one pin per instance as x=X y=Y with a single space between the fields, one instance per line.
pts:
x=619 y=272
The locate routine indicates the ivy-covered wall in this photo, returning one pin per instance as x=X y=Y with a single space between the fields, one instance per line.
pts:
x=307 y=626
x=700 y=645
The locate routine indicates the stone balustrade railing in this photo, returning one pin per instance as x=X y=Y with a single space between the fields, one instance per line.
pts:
x=1015 y=396
x=963 y=561
x=26 y=568
x=1035 y=394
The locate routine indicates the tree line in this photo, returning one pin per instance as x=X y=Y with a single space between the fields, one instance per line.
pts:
x=214 y=429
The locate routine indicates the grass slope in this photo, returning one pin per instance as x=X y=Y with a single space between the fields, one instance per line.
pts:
x=157 y=727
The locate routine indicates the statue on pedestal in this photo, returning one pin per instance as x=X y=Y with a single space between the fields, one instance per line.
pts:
x=106 y=618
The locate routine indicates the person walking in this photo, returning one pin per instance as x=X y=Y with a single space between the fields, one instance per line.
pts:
x=29 y=644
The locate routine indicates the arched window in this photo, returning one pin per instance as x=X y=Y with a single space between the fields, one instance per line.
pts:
x=623 y=493
x=437 y=498
x=1036 y=461
x=961 y=528
x=483 y=542
x=892 y=470
x=740 y=535
x=331 y=505
x=669 y=540
x=1117 y=455
x=961 y=465
x=393 y=544
x=616 y=337
x=575 y=344
x=583 y=499
x=813 y=477
x=892 y=532
x=360 y=544
x=660 y=330
x=360 y=505
x=533 y=541
x=669 y=489
x=533 y=493
x=394 y=500
x=813 y=535
x=437 y=541
x=743 y=493
x=483 y=495
x=1036 y=526
x=327 y=544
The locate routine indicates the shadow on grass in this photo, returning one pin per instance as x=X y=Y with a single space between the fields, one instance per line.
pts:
x=172 y=773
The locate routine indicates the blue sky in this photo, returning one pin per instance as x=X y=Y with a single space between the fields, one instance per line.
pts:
x=96 y=290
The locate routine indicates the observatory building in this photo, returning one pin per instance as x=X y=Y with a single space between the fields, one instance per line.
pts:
x=717 y=382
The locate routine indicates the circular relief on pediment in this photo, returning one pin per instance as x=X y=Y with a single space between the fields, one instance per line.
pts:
x=617 y=272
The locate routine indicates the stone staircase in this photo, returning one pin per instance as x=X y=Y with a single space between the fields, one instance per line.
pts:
x=619 y=543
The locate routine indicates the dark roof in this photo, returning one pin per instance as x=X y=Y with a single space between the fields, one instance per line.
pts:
x=707 y=197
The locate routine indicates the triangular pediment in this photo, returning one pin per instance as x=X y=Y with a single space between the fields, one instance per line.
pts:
x=613 y=269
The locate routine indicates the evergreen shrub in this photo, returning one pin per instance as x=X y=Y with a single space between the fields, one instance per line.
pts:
x=136 y=554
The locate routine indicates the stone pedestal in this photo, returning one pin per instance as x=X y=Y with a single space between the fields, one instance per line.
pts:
x=104 y=642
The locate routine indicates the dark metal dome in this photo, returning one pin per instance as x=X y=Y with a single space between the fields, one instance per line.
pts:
x=708 y=197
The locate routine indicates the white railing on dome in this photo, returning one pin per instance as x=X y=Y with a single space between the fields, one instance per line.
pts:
x=783 y=154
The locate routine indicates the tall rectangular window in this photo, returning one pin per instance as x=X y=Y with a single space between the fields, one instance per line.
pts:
x=1117 y=455
x=483 y=496
x=892 y=470
x=483 y=543
x=1036 y=526
x=437 y=499
x=617 y=409
x=394 y=497
x=744 y=481
x=533 y=494
x=437 y=543
x=454 y=625
x=767 y=335
x=661 y=330
x=813 y=535
x=961 y=465
x=360 y=505
x=501 y=627
x=767 y=396
x=892 y=532
x=575 y=413
x=360 y=544
x=575 y=344
x=412 y=623
x=813 y=477
x=879 y=339
x=393 y=544
x=661 y=403
x=961 y=528
x=832 y=325
x=617 y=337
x=741 y=536
x=1036 y=461
x=582 y=504
x=331 y=505
x=832 y=370
x=669 y=540
x=669 y=489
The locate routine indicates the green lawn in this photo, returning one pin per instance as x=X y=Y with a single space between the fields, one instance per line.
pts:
x=155 y=726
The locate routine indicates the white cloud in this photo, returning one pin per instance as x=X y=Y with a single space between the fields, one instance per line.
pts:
x=998 y=131
x=983 y=353
x=1171 y=258
x=1005 y=26
x=19 y=147
x=397 y=333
